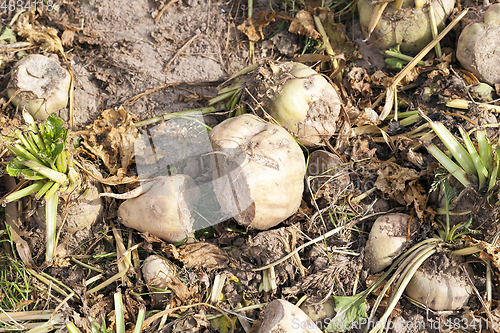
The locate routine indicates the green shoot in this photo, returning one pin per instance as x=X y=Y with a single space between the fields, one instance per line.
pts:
x=482 y=163
x=311 y=46
x=140 y=320
x=51 y=221
x=49 y=173
x=33 y=188
x=20 y=152
x=70 y=326
x=41 y=154
x=28 y=144
x=398 y=60
x=44 y=189
x=120 y=319
x=494 y=172
x=481 y=169
x=462 y=229
x=409 y=271
x=457 y=150
x=449 y=194
x=464 y=105
x=448 y=164
x=448 y=233
x=96 y=328
x=485 y=149
x=352 y=309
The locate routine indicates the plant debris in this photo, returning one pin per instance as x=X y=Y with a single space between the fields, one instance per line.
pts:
x=167 y=76
x=253 y=29
x=112 y=138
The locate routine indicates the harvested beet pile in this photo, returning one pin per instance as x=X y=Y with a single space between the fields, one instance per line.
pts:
x=260 y=166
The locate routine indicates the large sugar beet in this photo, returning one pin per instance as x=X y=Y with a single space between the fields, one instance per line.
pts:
x=164 y=210
x=258 y=171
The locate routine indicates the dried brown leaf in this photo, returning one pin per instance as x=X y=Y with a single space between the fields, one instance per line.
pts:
x=303 y=25
x=253 y=28
x=328 y=177
x=468 y=77
x=312 y=57
x=436 y=72
x=101 y=305
x=248 y=28
x=61 y=258
x=401 y=184
x=22 y=246
x=180 y=289
x=119 y=179
x=46 y=36
x=415 y=157
x=90 y=40
x=361 y=149
x=444 y=61
x=112 y=137
x=67 y=37
x=192 y=322
x=194 y=97
x=412 y=75
x=344 y=133
x=199 y=255
x=322 y=280
x=358 y=82
x=442 y=67
x=172 y=281
x=83 y=323
x=267 y=247
x=380 y=79
x=336 y=33
x=366 y=117
x=488 y=251
x=351 y=109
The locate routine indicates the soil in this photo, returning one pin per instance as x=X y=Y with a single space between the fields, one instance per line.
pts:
x=127 y=54
x=135 y=54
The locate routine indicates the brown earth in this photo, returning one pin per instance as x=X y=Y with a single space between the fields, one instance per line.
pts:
x=117 y=51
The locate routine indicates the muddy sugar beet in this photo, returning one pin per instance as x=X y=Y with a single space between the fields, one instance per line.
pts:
x=295 y=96
x=283 y=316
x=158 y=273
x=386 y=240
x=304 y=103
x=404 y=22
x=441 y=284
x=39 y=85
x=258 y=170
x=478 y=48
x=164 y=209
